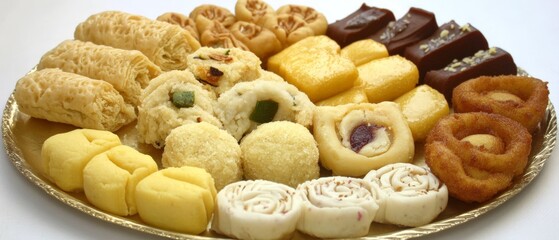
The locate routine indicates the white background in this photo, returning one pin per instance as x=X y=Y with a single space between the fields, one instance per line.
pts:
x=28 y=28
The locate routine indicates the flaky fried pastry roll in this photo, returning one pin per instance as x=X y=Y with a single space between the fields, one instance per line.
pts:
x=129 y=71
x=257 y=209
x=413 y=195
x=69 y=98
x=165 y=44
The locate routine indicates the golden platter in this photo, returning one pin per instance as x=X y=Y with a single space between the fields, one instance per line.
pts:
x=23 y=138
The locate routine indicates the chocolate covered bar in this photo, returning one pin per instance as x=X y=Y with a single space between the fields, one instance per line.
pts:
x=491 y=62
x=450 y=41
x=416 y=25
x=359 y=25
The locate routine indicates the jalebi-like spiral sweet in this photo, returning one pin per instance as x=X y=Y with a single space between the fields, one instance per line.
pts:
x=257 y=210
x=337 y=207
x=413 y=195
x=523 y=99
x=477 y=154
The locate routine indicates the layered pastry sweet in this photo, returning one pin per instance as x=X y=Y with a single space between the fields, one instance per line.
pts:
x=205 y=146
x=166 y=45
x=451 y=41
x=282 y=151
x=257 y=209
x=74 y=99
x=356 y=138
x=415 y=25
x=129 y=71
x=491 y=62
x=360 y=24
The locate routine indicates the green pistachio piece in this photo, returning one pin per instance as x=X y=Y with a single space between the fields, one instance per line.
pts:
x=264 y=111
x=183 y=99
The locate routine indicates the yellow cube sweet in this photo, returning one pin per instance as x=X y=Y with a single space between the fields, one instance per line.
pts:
x=385 y=79
x=110 y=179
x=363 y=51
x=65 y=155
x=316 y=42
x=319 y=74
x=422 y=107
x=354 y=95
x=177 y=199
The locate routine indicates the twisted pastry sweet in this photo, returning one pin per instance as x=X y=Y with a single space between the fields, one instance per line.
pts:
x=261 y=41
x=181 y=20
x=337 y=207
x=477 y=154
x=413 y=195
x=204 y=16
x=252 y=10
x=314 y=19
x=257 y=210
x=288 y=28
x=218 y=36
x=523 y=99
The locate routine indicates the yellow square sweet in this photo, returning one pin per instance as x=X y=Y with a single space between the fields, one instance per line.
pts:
x=385 y=79
x=364 y=51
x=321 y=42
x=354 y=95
x=422 y=107
x=319 y=74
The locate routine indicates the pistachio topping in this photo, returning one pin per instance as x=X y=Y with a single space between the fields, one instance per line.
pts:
x=467 y=62
x=183 y=99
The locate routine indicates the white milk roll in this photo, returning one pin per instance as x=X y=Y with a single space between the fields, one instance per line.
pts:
x=413 y=195
x=257 y=209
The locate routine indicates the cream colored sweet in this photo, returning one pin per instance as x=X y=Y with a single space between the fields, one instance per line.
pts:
x=110 y=179
x=413 y=195
x=423 y=107
x=205 y=146
x=337 y=207
x=65 y=155
x=257 y=209
x=170 y=100
x=177 y=199
x=356 y=138
x=248 y=104
x=282 y=151
x=222 y=68
x=387 y=78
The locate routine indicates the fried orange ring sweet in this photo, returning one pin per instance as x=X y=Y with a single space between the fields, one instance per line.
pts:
x=477 y=154
x=523 y=99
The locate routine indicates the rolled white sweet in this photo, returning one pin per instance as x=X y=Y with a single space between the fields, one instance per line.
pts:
x=413 y=195
x=337 y=207
x=257 y=209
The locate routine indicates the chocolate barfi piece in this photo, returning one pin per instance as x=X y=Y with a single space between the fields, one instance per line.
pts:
x=491 y=62
x=416 y=25
x=450 y=41
x=359 y=25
